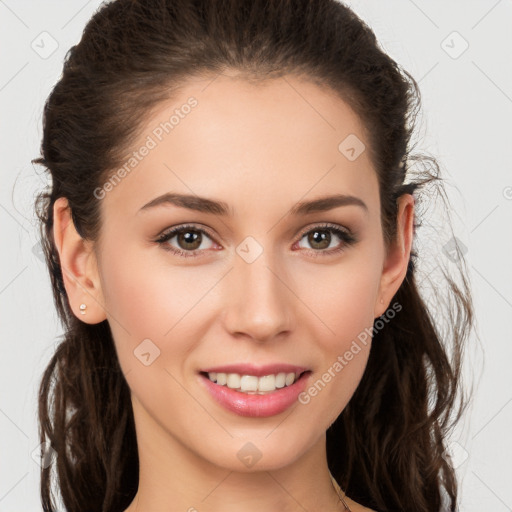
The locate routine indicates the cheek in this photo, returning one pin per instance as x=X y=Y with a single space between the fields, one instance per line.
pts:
x=149 y=299
x=144 y=295
x=344 y=301
x=343 y=298
x=132 y=296
x=138 y=305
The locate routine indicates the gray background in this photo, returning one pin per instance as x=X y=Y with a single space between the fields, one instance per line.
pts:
x=467 y=107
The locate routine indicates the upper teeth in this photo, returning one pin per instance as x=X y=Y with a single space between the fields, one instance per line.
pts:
x=251 y=382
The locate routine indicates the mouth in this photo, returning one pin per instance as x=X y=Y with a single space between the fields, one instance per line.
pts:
x=251 y=384
x=256 y=396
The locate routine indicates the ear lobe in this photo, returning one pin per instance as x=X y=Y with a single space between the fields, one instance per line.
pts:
x=395 y=265
x=78 y=264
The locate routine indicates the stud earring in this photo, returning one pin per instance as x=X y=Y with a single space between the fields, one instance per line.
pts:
x=83 y=307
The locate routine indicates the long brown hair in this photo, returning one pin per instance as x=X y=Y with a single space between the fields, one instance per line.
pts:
x=387 y=448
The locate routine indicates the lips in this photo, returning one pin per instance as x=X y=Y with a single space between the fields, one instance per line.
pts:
x=255 y=405
x=257 y=371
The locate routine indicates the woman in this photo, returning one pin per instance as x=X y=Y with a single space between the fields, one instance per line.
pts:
x=229 y=234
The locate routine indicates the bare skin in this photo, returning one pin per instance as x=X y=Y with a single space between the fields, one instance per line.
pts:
x=261 y=150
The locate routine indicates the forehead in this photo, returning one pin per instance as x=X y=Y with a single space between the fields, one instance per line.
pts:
x=281 y=140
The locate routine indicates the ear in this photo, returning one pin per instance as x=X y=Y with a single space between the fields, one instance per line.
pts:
x=79 y=266
x=397 y=258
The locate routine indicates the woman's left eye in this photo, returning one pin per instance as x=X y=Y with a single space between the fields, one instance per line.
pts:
x=322 y=237
x=190 y=240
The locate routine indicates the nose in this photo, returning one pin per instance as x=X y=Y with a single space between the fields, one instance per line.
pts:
x=259 y=303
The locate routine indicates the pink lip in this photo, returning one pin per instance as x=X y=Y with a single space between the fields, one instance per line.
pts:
x=257 y=371
x=256 y=406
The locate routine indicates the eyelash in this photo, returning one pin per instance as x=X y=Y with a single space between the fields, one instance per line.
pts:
x=347 y=238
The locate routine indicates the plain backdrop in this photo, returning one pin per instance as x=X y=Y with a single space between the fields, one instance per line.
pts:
x=459 y=52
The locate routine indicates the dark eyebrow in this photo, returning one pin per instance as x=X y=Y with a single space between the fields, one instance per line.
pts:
x=205 y=205
x=326 y=203
x=199 y=204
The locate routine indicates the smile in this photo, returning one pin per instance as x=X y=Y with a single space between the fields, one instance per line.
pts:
x=253 y=384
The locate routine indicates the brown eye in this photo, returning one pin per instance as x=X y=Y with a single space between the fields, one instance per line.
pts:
x=319 y=239
x=188 y=240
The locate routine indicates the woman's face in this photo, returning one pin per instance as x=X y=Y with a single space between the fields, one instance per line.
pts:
x=264 y=283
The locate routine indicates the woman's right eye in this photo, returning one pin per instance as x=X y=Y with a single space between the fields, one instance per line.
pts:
x=189 y=237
